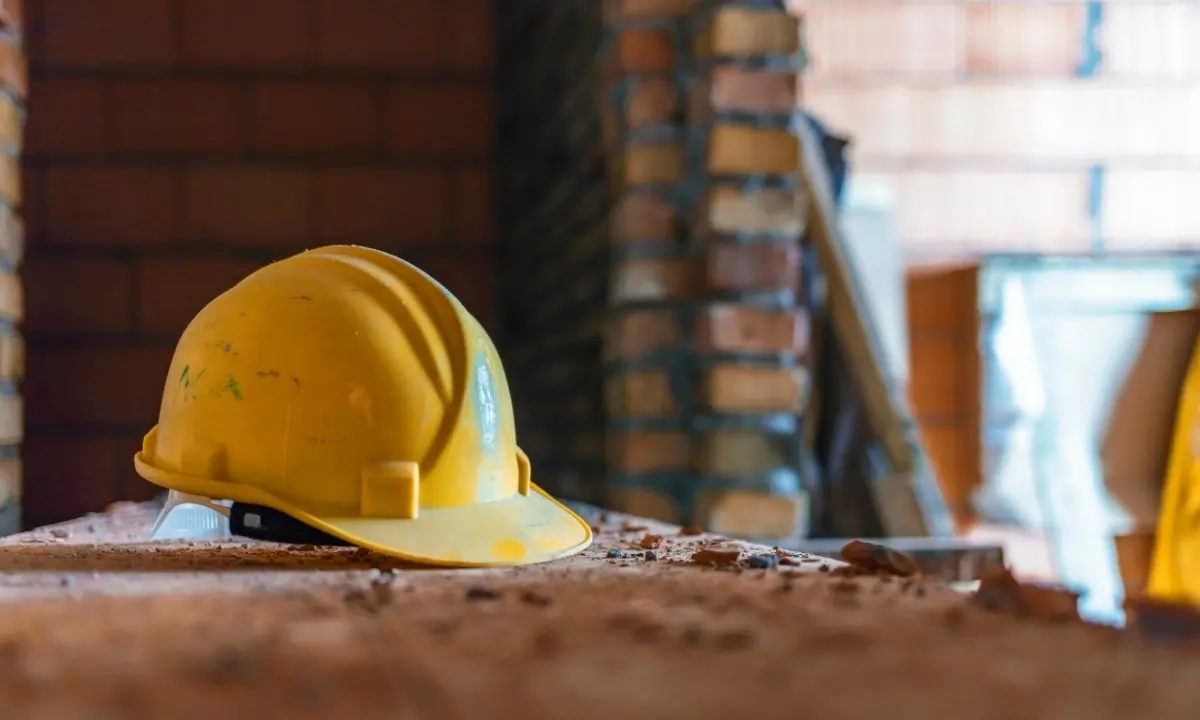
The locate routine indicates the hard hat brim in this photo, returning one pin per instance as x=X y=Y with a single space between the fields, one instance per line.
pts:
x=519 y=530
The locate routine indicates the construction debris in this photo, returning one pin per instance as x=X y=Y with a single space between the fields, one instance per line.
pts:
x=1163 y=620
x=720 y=556
x=1000 y=592
x=878 y=558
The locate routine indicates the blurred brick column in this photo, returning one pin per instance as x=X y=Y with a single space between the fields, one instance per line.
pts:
x=177 y=145
x=13 y=82
x=705 y=354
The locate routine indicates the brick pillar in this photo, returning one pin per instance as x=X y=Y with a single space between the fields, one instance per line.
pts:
x=177 y=145
x=650 y=367
x=13 y=79
x=707 y=380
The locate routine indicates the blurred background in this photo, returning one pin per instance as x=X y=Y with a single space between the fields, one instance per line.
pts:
x=1007 y=212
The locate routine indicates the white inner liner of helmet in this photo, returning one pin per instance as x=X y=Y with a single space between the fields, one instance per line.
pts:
x=191 y=517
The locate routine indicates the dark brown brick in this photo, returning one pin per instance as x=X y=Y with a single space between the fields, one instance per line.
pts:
x=387 y=208
x=178 y=116
x=78 y=295
x=69 y=117
x=251 y=35
x=109 y=385
x=67 y=477
x=240 y=205
x=471 y=35
x=309 y=118
x=382 y=34
x=109 y=206
x=113 y=33
x=472 y=220
x=442 y=120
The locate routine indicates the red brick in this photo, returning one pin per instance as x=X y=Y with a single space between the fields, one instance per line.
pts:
x=651 y=161
x=726 y=209
x=69 y=117
x=92 y=295
x=647 y=451
x=743 y=388
x=616 y=11
x=471 y=277
x=742 y=453
x=317 y=117
x=86 y=33
x=10 y=180
x=12 y=15
x=68 y=477
x=472 y=35
x=12 y=296
x=109 y=206
x=14 y=68
x=29 y=218
x=637 y=333
x=734 y=30
x=382 y=34
x=748 y=267
x=651 y=280
x=645 y=393
x=109 y=385
x=644 y=216
x=732 y=88
x=10 y=125
x=749 y=150
x=381 y=207
x=745 y=328
x=171 y=291
x=246 y=205
x=239 y=34
x=640 y=50
x=12 y=236
x=12 y=356
x=472 y=221
x=178 y=116
x=444 y=120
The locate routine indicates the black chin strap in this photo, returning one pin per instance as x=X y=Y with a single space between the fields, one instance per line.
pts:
x=264 y=523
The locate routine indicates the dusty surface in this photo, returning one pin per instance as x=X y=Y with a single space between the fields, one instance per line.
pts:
x=98 y=625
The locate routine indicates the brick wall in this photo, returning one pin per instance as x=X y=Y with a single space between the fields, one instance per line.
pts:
x=650 y=186
x=1041 y=127
x=175 y=145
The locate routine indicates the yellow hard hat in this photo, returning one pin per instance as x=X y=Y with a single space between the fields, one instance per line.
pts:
x=348 y=390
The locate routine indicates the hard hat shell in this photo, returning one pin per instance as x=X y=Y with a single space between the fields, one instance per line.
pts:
x=348 y=389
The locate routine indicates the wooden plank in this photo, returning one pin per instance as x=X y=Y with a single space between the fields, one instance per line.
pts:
x=899 y=500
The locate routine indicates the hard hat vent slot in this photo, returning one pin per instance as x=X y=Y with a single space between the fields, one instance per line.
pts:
x=391 y=490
